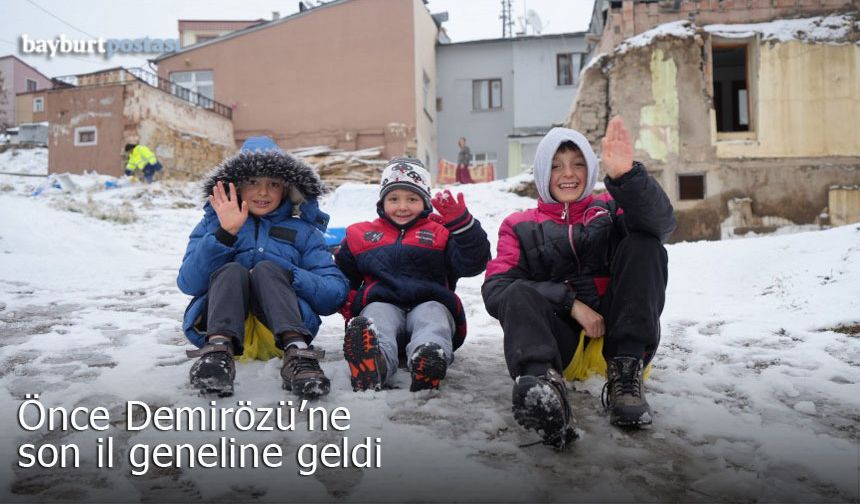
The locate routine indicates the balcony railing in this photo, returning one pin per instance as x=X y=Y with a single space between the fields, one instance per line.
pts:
x=151 y=79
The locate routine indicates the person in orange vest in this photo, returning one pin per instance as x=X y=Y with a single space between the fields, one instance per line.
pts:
x=141 y=160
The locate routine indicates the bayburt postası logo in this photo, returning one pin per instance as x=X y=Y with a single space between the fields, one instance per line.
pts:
x=107 y=47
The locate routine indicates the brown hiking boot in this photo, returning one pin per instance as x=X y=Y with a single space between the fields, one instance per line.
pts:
x=624 y=393
x=302 y=374
x=214 y=371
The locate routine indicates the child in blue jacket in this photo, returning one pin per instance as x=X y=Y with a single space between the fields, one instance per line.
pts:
x=404 y=267
x=259 y=249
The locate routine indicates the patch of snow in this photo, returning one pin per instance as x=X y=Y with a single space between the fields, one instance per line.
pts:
x=676 y=29
x=816 y=29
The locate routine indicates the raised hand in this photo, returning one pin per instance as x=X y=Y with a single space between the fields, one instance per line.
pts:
x=449 y=208
x=617 y=154
x=230 y=214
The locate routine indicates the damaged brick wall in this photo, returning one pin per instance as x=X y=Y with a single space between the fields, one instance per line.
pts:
x=663 y=92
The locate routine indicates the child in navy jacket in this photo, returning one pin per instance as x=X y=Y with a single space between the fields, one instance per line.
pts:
x=404 y=267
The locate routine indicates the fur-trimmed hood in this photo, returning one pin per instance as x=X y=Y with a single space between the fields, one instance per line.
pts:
x=304 y=183
x=261 y=157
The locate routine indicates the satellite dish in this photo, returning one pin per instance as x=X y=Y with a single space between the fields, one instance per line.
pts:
x=533 y=20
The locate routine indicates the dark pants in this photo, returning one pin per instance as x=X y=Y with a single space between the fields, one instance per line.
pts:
x=149 y=171
x=537 y=338
x=265 y=291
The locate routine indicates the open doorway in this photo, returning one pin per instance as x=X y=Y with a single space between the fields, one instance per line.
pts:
x=732 y=102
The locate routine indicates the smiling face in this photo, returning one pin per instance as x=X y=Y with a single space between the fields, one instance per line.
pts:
x=402 y=206
x=568 y=176
x=262 y=194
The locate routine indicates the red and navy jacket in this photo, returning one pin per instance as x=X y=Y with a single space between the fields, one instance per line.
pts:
x=563 y=251
x=412 y=264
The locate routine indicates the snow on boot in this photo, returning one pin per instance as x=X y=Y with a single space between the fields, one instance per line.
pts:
x=624 y=393
x=540 y=403
x=428 y=365
x=302 y=374
x=214 y=371
x=367 y=368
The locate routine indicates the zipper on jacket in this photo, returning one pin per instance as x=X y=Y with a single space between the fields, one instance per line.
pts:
x=256 y=228
x=565 y=214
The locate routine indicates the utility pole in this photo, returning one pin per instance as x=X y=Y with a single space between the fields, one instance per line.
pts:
x=507 y=20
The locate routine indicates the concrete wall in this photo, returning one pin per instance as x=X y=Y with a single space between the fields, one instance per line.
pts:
x=807 y=94
x=187 y=140
x=538 y=99
x=663 y=92
x=339 y=74
x=425 y=62
x=485 y=130
x=72 y=108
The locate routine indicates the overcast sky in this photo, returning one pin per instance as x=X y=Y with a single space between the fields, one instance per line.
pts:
x=86 y=19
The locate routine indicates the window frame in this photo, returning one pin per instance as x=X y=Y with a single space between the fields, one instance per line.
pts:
x=41 y=101
x=86 y=129
x=750 y=46
x=490 y=104
x=35 y=86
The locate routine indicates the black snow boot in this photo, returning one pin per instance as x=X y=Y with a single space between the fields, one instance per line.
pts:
x=367 y=368
x=214 y=371
x=624 y=393
x=428 y=366
x=540 y=403
x=301 y=372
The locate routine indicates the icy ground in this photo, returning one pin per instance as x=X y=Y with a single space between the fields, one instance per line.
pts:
x=755 y=387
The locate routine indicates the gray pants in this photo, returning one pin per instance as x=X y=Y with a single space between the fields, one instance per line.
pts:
x=265 y=291
x=396 y=328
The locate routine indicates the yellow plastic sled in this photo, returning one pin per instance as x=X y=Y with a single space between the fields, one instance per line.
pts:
x=259 y=342
x=588 y=360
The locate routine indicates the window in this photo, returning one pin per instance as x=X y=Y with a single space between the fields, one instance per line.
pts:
x=204 y=38
x=31 y=85
x=86 y=135
x=567 y=67
x=439 y=104
x=484 y=157
x=731 y=96
x=38 y=104
x=200 y=82
x=486 y=94
x=691 y=187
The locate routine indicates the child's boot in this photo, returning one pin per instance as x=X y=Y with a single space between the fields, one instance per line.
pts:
x=428 y=366
x=214 y=371
x=302 y=374
x=624 y=393
x=367 y=368
x=540 y=403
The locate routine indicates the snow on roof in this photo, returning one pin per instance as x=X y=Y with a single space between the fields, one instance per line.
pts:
x=832 y=29
x=677 y=29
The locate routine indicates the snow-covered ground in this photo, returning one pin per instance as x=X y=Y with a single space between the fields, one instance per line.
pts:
x=755 y=387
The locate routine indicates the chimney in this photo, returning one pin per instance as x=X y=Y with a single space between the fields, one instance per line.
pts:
x=303 y=7
x=276 y=15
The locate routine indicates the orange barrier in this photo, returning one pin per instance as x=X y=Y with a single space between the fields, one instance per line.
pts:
x=480 y=172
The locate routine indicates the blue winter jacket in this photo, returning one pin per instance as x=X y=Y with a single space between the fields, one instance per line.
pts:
x=295 y=242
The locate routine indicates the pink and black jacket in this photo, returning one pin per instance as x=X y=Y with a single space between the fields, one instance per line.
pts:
x=564 y=251
x=412 y=264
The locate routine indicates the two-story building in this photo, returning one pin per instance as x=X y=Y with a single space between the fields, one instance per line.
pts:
x=350 y=74
x=20 y=78
x=504 y=94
